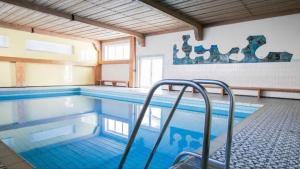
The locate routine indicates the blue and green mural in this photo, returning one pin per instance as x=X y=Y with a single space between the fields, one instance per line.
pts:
x=254 y=42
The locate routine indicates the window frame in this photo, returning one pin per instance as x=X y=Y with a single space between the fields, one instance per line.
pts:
x=115 y=43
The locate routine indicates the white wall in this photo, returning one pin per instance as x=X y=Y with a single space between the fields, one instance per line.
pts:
x=115 y=72
x=282 y=34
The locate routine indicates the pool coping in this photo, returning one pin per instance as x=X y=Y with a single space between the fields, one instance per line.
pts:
x=144 y=92
x=134 y=91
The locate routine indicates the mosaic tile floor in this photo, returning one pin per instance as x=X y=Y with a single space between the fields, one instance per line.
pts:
x=270 y=140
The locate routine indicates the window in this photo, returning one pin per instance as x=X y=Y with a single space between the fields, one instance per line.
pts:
x=116 y=127
x=116 y=51
x=3 y=41
x=44 y=46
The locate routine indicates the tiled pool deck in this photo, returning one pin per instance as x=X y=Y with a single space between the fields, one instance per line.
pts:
x=9 y=160
x=269 y=138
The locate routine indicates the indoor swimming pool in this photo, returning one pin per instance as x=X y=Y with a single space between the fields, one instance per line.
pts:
x=81 y=128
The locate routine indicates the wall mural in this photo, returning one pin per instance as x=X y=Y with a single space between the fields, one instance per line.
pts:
x=254 y=42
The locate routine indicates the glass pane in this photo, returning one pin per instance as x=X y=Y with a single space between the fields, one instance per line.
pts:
x=151 y=70
x=145 y=73
x=119 y=52
x=126 y=51
x=156 y=70
x=125 y=129
x=106 y=52
x=119 y=128
x=111 y=53
x=111 y=125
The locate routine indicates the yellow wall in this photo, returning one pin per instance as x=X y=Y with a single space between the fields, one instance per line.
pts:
x=44 y=74
x=49 y=74
x=7 y=74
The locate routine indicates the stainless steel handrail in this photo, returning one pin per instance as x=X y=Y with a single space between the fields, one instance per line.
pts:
x=165 y=126
x=230 y=122
x=185 y=83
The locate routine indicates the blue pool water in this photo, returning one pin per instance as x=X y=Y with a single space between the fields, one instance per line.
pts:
x=87 y=129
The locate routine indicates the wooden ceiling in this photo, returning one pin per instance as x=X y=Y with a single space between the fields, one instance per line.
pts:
x=109 y=19
x=215 y=12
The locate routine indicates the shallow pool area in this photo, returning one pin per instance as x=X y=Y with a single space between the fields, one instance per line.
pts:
x=82 y=128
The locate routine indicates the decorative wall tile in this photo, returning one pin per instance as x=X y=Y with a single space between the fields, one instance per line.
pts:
x=249 y=52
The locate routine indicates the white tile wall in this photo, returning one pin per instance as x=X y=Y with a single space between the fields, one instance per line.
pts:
x=282 y=34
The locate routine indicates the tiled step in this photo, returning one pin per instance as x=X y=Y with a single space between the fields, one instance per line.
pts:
x=93 y=152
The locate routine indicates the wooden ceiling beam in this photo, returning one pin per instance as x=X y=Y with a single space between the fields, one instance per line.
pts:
x=72 y=17
x=197 y=26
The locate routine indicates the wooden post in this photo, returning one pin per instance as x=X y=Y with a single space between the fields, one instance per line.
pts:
x=259 y=93
x=132 y=61
x=170 y=87
x=98 y=67
x=20 y=74
x=97 y=70
x=102 y=83
x=222 y=91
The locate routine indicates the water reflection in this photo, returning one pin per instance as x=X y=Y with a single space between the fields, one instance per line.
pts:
x=116 y=127
x=83 y=129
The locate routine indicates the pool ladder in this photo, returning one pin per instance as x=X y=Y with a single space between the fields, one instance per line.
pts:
x=197 y=85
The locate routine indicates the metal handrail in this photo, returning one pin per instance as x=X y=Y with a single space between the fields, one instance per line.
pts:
x=185 y=83
x=230 y=124
x=165 y=126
